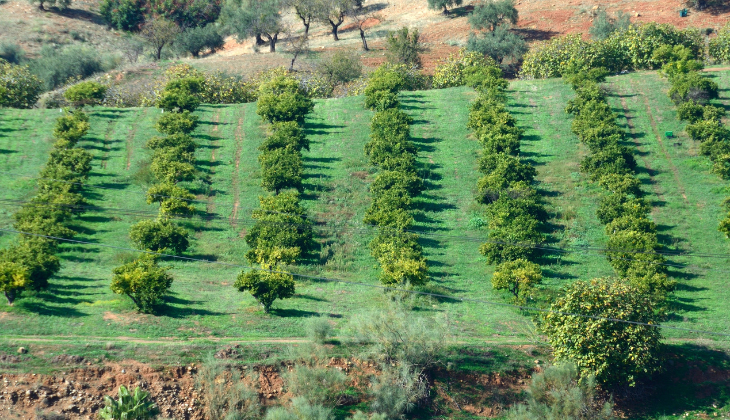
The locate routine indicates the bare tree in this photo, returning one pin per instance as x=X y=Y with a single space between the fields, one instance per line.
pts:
x=158 y=33
x=299 y=46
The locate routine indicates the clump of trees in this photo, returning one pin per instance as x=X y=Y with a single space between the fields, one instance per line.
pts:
x=282 y=234
x=19 y=87
x=492 y=22
x=513 y=207
x=391 y=150
x=632 y=246
x=29 y=262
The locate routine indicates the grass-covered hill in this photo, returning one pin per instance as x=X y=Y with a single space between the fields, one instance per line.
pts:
x=80 y=308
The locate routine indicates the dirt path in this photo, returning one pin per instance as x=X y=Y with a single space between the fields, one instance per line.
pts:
x=130 y=137
x=165 y=340
x=111 y=124
x=240 y=137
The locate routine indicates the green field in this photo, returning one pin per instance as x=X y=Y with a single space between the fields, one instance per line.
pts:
x=203 y=305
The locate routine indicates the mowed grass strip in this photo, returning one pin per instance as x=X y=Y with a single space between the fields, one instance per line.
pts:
x=204 y=305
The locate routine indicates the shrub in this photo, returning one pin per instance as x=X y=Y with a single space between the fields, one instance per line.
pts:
x=560 y=393
x=281 y=169
x=198 y=39
x=56 y=67
x=443 y=4
x=187 y=13
x=407 y=182
x=692 y=87
x=85 y=93
x=451 y=71
x=381 y=100
x=12 y=53
x=285 y=134
x=390 y=209
x=384 y=78
x=13 y=279
x=626 y=184
x=266 y=286
x=604 y=26
x=515 y=240
x=282 y=99
x=317 y=385
x=181 y=95
x=319 y=329
x=502 y=45
x=397 y=391
x=19 y=88
x=225 y=395
x=36 y=256
x=179 y=141
x=172 y=165
x=614 y=206
x=177 y=123
x=341 y=67
x=518 y=277
x=401 y=266
x=501 y=171
x=616 y=353
x=126 y=15
x=174 y=200
x=135 y=405
x=609 y=160
x=720 y=45
x=160 y=236
x=403 y=47
x=145 y=282
x=300 y=410
x=70 y=128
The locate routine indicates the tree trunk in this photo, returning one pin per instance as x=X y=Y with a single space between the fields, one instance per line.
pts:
x=364 y=41
x=158 y=54
x=446 y=11
x=259 y=40
x=41 y=7
x=10 y=296
x=335 y=27
x=272 y=43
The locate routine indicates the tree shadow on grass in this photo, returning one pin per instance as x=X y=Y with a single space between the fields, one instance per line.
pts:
x=7 y=152
x=293 y=313
x=45 y=309
x=310 y=297
x=312 y=128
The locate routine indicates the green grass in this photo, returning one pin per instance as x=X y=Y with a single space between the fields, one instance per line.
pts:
x=204 y=306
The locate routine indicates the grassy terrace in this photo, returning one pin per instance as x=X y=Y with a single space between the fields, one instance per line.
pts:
x=80 y=308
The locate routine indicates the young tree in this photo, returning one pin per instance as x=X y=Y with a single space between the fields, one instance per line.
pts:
x=518 y=277
x=257 y=18
x=404 y=47
x=177 y=123
x=299 y=46
x=340 y=67
x=333 y=12
x=159 y=33
x=285 y=134
x=266 y=285
x=616 y=353
x=125 y=15
x=443 y=4
x=306 y=11
x=174 y=200
x=19 y=87
x=85 y=93
x=281 y=169
x=145 y=282
x=36 y=256
x=160 y=236
x=13 y=279
x=283 y=99
x=501 y=45
x=361 y=16
x=559 y=392
x=181 y=95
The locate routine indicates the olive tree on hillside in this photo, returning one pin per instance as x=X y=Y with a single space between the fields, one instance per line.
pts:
x=443 y=4
x=159 y=33
x=492 y=21
x=334 y=12
x=254 y=18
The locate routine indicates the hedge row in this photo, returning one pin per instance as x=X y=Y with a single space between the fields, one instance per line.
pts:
x=632 y=237
x=692 y=92
x=631 y=49
x=30 y=262
x=391 y=150
x=282 y=233
x=514 y=209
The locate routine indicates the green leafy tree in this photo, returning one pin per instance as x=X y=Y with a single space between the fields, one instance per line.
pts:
x=44 y=219
x=143 y=280
x=305 y=10
x=604 y=25
x=172 y=165
x=692 y=86
x=283 y=99
x=518 y=277
x=174 y=200
x=198 y=39
x=404 y=47
x=36 y=256
x=720 y=45
x=130 y=406
x=616 y=353
x=333 y=12
x=181 y=95
x=71 y=127
x=404 y=182
x=501 y=44
x=12 y=53
x=559 y=393
x=443 y=4
x=282 y=231
x=125 y=15
x=85 y=93
x=13 y=279
x=390 y=209
x=401 y=265
x=266 y=285
x=281 y=169
x=159 y=33
x=254 y=18
x=286 y=134
x=489 y=15
x=182 y=142
x=177 y=123
x=160 y=236
x=19 y=87
x=341 y=67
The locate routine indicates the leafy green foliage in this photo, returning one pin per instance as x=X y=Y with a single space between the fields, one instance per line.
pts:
x=160 y=236
x=35 y=255
x=453 y=71
x=518 y=277
x=501 y=44
x=281 y=233
x=719 y=48
x=12 y=53
x=560 y=393
x=143 y=280
x=694 y=87
x=287 y=134
x=159 y=32
x=317 y=385
x=266 y=286
x=131 y=405
x=177 y=123
x=180 y=141
x=490 y=15
x=174 y=200
x=397 y=391
x=56 y=67
x=281 y=169
x=172 y=165
x=126 y=15
x=85 y=93
x=70 y=128
x=181 y=95
x=13 y=279
x=341 y=67
x=616 y=353
x=604 y=25
x=403 y=47
x=300 y=409
x=282 y=99
x=199 y=39
x=19 y=88
x=225 y=395
x=443 y=4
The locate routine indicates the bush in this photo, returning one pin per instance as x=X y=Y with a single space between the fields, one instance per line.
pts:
x=282 y=99
x=694 y=87
x=560 y=393
x=181 y=95
x=177 y=123
x=616 y=353
x=13 y=279
x=143 y=281
x=319 y=329
x=604 y=26
x=69 y=129
x=180 y=141
x=317 y=385
x=198 y=39
x=135 y=405
x=281 y=169
x=160 y=236
x=502 y=171
x=341 y=67
x=451 y=71
x=406 y=182
x=390 y=209
x=720 y=45
x=300 y=410
x=403 y=47
x=85 y=93
x=502 y=45
x=266 y=286
x=614 y=206
x=381 y=100
x=172 y=165
x=36 y=256
x=397 y=391
x=126 y=15
x=401 y=266
x=225 y=395
x=174 y=200
x=56 y=67
x=19 y=88
x=515 y=240
x=285 y=134
x=518 y=277
x=12 y=53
